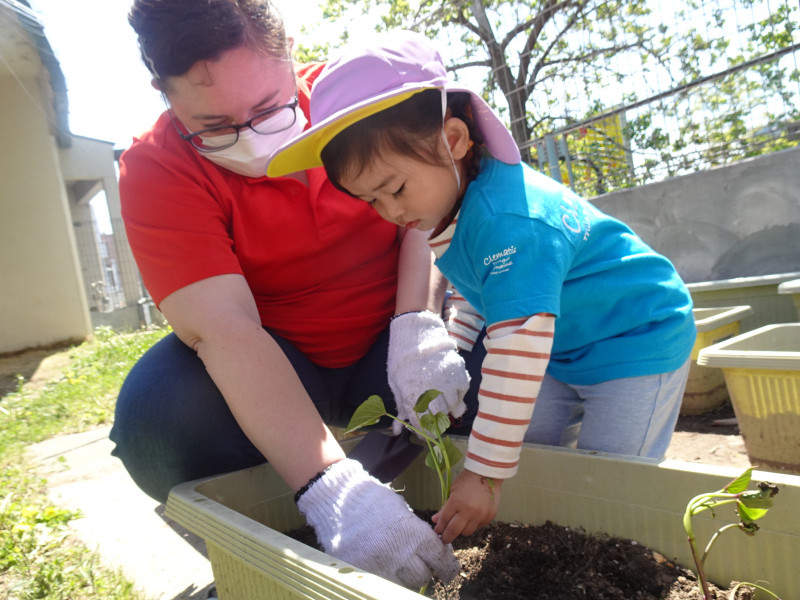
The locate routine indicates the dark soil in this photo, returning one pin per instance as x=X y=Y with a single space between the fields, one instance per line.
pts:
x=506 y=561
x=509 y=561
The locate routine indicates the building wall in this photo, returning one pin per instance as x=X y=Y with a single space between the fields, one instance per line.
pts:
x=42 y=300
x=89 y=159
x=739 y=220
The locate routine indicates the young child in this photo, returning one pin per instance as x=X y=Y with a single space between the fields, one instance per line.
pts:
x=583 y=319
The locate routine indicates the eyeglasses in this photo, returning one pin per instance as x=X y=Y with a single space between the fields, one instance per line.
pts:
x=272 y=120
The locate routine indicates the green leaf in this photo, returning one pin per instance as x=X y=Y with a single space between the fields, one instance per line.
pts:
x=424 y=400
x=435 y=459
x=739 y=484
x=442 y=422
x=453 y=454
x=436 y=424
x=368 y=413
x=754 y=509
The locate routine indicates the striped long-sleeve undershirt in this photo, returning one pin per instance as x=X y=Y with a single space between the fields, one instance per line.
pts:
x=462 y=321
x=518 y=351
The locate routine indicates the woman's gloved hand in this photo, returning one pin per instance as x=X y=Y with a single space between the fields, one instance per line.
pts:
x=423 y=356
x=363 y=522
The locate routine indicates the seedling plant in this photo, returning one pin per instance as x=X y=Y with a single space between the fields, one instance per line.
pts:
x=442 y=453
x=750 y=505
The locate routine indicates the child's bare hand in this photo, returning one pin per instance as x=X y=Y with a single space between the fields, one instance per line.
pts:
x=473 y=503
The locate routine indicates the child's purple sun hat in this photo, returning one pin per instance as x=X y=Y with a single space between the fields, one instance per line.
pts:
x=365 y=79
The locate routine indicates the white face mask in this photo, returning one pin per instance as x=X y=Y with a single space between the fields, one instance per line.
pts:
x=250 y=154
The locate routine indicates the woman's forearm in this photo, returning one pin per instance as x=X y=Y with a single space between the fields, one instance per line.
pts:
x=259 y=384
x=420 y=285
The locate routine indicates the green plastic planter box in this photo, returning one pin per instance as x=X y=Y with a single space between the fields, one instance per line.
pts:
x=793 y=289
x=760 y=293
x=241 y=516
x=762 y=372
x=705 y=386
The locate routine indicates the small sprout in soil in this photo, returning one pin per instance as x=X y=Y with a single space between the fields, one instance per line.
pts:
x=750 y=505
x=442 y=453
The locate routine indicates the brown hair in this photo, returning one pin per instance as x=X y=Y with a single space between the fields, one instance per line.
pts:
x=411 y=128
x=175 y=34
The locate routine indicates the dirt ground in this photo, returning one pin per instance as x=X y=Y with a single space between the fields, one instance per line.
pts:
x=711 y=438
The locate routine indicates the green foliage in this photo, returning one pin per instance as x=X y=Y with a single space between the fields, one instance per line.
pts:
x=750 y=505
x=442 y=453
x=83 y=396
x=519 y=46
x=537 y=59
x=38 y=558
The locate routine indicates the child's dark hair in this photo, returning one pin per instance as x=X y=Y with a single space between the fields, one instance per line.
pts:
x=410 y=128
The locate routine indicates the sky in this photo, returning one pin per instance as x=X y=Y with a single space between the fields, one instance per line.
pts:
x=108 y=87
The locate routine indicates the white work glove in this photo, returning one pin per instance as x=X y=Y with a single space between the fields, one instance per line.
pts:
x=363 y=522
x=423 y=356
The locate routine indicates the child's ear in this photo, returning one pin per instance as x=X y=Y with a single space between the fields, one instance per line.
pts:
x=457 y=134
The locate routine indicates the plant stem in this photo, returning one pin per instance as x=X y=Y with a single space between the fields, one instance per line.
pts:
x=714 y=537
x=701 y=575
x=427 y=439
x=687 y=525
x=447 y=467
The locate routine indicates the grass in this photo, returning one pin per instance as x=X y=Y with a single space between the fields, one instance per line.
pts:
x=38 y=557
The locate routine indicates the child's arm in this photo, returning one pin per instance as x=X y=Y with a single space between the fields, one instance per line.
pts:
x=463 y=322
x=517 y=355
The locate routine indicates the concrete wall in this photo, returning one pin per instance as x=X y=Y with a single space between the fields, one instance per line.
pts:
x=42 y=300
x=93 y=160
x=739 y=220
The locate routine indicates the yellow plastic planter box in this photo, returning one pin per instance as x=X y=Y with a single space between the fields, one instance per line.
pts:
x=762 y=372
x=241 y=516
x=792 y=288
x=760 y=293
x=705 y=387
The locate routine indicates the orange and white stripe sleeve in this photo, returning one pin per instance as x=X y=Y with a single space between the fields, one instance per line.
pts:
x=462 y=321
x=517 y=353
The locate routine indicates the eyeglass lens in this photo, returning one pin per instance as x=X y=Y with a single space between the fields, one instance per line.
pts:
x=270 y=121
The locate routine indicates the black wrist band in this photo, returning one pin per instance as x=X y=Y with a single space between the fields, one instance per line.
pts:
x=406 y=313
x=311 y=482
x=424 y=310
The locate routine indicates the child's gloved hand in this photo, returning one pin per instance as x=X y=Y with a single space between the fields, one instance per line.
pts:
x=423 y=356
x=363 y=522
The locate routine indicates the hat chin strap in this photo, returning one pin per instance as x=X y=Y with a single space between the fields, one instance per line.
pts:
x=447 y=144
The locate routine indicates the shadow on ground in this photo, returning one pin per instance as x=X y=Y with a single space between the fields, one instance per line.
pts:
x=717 y=421
x=193 y=593
x=33 y=366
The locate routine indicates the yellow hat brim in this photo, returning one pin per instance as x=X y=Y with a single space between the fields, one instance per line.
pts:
x=305 y=151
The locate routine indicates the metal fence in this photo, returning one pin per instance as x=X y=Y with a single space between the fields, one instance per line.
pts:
x=113 y=285
x=743 y=100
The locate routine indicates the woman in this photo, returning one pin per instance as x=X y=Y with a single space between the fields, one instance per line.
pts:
x=280 y=293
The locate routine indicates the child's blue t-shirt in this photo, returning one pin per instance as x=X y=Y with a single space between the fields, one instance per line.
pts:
x=525 y=244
